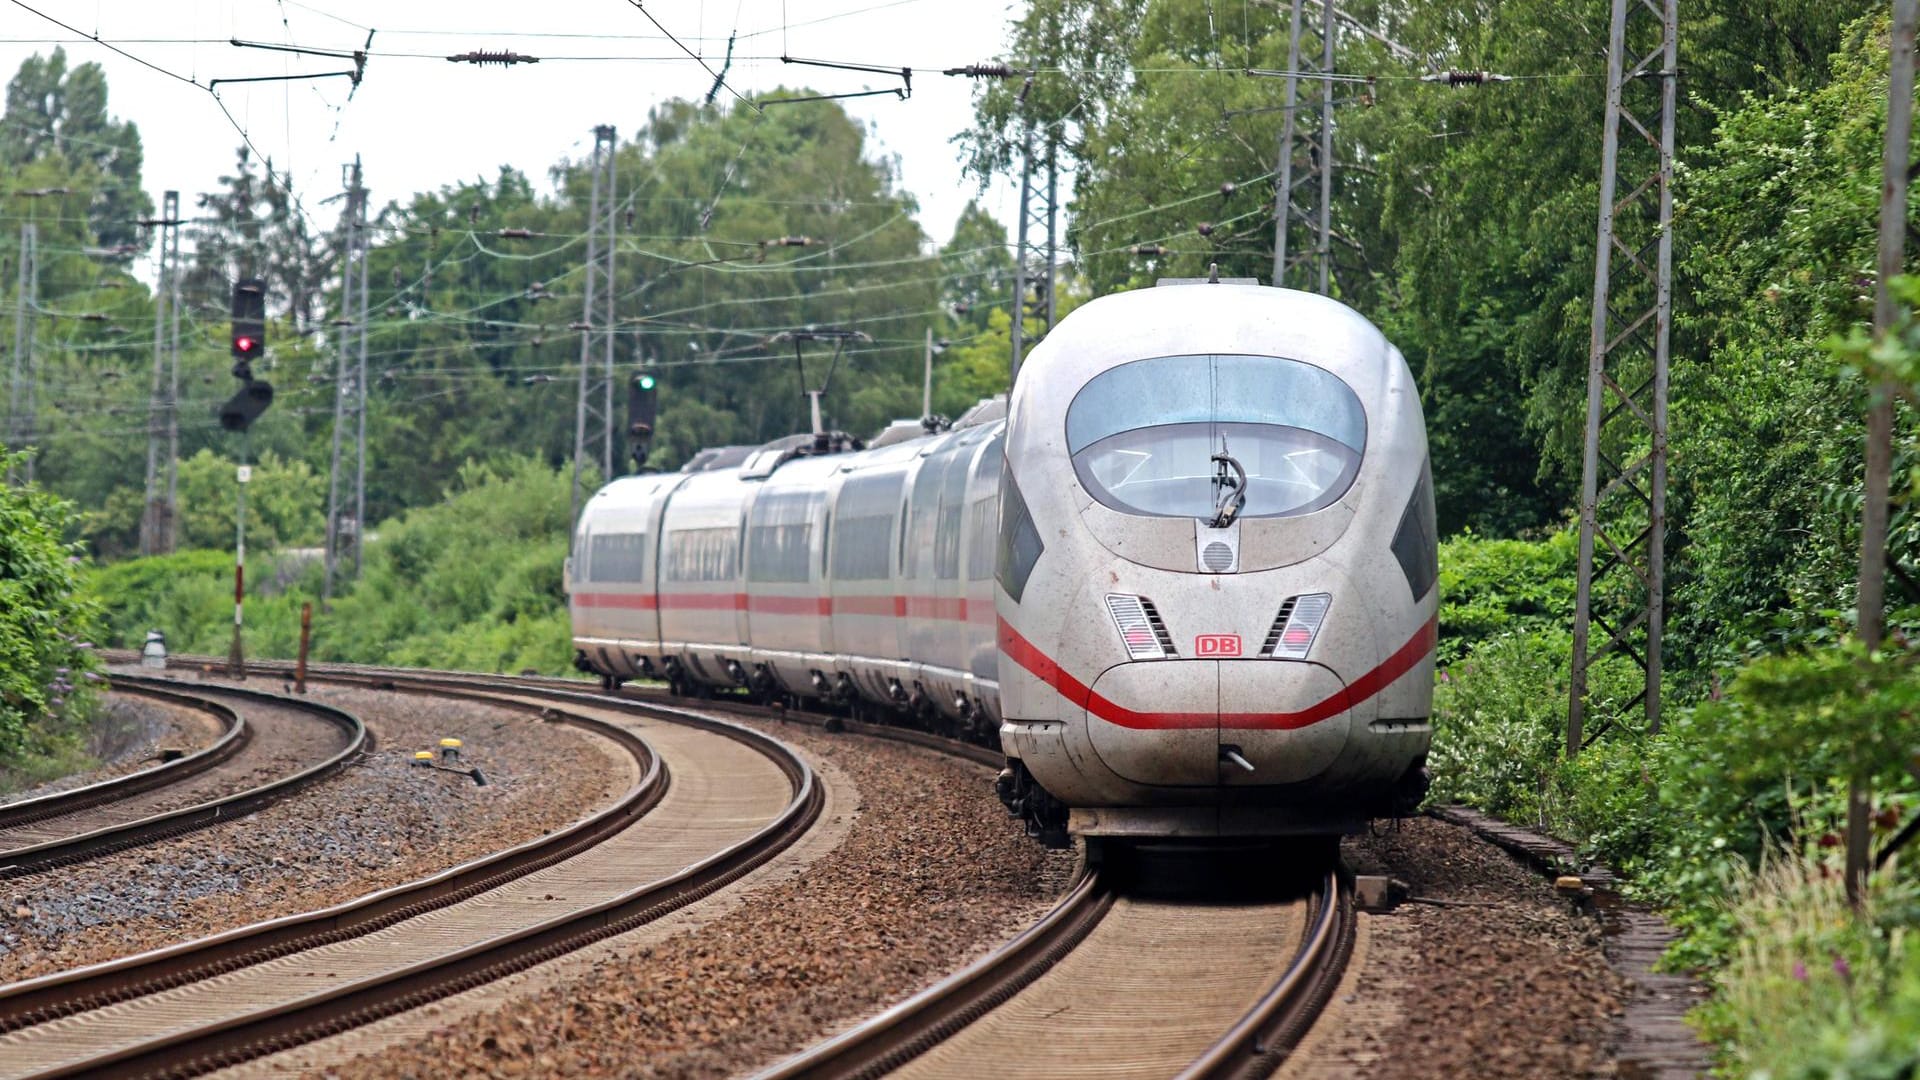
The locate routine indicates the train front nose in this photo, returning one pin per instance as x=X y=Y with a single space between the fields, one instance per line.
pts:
x=1212 y=723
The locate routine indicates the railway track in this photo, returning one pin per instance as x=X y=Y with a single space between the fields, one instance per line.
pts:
x=714 y=801
x=1115 y=986
x=272 y=746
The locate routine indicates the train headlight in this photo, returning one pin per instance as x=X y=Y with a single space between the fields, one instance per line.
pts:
x=1140 y=627
x=1297 y=625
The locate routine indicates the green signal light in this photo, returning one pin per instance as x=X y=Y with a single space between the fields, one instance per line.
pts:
x=644 y=382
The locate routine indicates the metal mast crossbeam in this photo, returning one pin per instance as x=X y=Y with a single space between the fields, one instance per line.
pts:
x=163 y=414
x=1623 y=484
x=346 y=515
x=593 y=432
x=1303 y=177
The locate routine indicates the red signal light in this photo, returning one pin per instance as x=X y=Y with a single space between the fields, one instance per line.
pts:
x=244 y=344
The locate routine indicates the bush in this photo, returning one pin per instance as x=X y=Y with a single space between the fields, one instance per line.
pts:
x=474 y=582
x=1494 y=587
x=46 y=664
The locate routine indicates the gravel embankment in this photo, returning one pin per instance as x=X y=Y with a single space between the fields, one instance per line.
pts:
x=932 y=872
x=128 y=736
x=1505 y=981
x=379 y=823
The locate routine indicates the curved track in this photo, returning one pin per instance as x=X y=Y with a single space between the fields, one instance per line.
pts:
x=1113 y=986
x=273 y=746
x=718 y=800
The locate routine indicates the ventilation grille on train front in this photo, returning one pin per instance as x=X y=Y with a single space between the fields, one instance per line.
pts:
x=1279 y=624
x=1159 y=626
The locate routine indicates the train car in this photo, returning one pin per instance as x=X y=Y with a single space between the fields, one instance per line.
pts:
x=1185 y=576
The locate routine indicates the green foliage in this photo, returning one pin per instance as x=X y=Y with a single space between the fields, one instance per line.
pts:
x=473 y=582
x=46 y=663
x=1490 y=588
x=1815 y=989
x=1499 y=720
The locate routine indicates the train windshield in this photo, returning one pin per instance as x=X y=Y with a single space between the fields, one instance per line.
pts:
x=1146 y=437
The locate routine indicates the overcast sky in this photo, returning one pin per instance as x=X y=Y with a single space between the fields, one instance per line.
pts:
x=419 y=122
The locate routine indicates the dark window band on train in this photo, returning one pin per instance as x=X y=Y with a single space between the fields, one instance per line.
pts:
x=1414 y=543
x=780 y=538
x=1020 y=545
x=702 y=554
x=1143 y=435
x=617 y=557
x=863 y=520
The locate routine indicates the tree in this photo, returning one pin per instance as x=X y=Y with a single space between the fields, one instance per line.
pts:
x=54 y=112
x=45 y=659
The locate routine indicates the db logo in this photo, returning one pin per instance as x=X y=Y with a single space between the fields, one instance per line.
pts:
x=1217 y=645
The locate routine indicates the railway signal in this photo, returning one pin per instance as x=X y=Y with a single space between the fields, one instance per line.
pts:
x=249 y=338
x=249 y=342
x=642 y=407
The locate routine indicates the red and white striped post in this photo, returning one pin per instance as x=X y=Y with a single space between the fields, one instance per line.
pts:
x=236 y=657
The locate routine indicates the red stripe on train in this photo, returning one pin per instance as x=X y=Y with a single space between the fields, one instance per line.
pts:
x=1403 y=660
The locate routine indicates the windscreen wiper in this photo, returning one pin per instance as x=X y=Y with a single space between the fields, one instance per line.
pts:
x=1229 y=490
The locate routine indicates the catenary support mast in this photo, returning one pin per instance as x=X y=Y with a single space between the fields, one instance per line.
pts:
x=593 y=432
x=1623 y=486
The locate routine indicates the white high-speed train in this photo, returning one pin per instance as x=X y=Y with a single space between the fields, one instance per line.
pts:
x=1186 y=576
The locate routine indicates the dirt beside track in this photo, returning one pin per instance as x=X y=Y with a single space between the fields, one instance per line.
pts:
x=1505 y=981
x=379 y=823
x=931 y=873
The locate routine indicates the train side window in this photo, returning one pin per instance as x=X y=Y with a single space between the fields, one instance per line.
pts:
x=780 y=537
x=702 y=554
x=616 y=557
x=1020 y=545
x=985 y=518
x=863 y=537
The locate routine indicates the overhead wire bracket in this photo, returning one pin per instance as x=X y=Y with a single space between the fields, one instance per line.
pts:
x=358 y=56
x=903 y=92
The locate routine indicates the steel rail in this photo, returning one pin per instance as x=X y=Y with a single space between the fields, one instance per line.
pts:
x=36 y=858
x=1260 y=1041
x=36 y=1001
x=194 y=1050
x=62 y=803
x=889 y=1040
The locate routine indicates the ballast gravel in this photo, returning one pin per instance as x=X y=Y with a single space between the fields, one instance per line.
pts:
x=1487 y=973
x=127 y=737
x=381 y=822
x=932 y=872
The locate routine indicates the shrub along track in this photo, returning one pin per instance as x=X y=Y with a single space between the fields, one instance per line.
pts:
x=717 y=801
x=272 y=747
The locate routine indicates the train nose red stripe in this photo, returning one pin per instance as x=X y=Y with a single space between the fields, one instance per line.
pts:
x=1027 y=655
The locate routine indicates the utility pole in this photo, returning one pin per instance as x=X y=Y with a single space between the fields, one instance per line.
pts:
x=593 y=434
x=1873 y=516
x=345 y=522
x=1303 y=170
x=926 y=384
x=1625 y=510
x=1033 y=266
x=20 y=397
x=156 y=524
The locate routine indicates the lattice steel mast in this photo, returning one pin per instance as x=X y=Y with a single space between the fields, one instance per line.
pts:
x=1303 y=173
x=593 y=431
x=1623 y=484
x=346 y=521
x=21 y=390
x=1033 y=268
x=163 y=419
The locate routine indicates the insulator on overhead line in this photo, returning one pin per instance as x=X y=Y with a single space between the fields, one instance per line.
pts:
x=516 y=234
x=504 y=57
x=1228 y=188
x=1465 y=78
x=1205 y=228
x=984 y=71
x=1147 y=249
